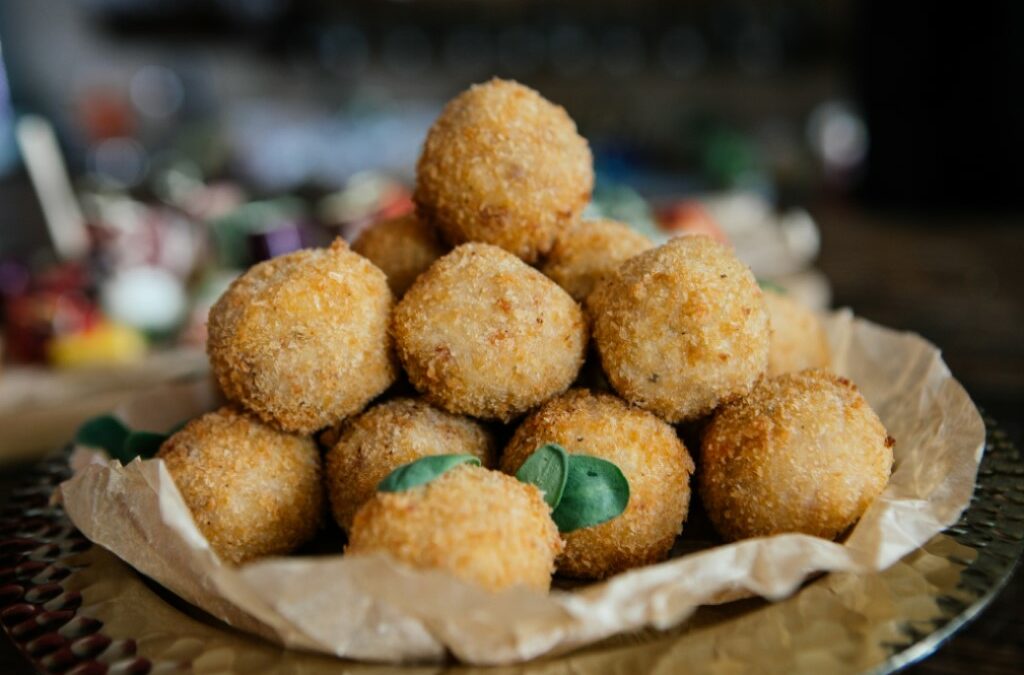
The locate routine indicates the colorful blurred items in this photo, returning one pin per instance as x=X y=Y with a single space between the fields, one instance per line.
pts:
x=621 y=202
x=260 y=229
x=367 y=197
x=688 y=216
x=50 y=305
x=102 y=344
x=128 y=233
x=180 y=184
x=146 y=298
x=207 y=291
x=104 y=112
x=727 y=158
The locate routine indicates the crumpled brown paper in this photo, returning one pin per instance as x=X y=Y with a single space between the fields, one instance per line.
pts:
x=372 y=608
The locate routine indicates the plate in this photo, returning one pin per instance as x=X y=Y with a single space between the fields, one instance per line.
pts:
x=68 y=604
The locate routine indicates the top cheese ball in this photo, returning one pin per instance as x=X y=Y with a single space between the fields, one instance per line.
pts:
x=504 y=166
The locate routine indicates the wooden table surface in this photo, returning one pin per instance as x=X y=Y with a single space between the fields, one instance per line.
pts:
x=959 y=281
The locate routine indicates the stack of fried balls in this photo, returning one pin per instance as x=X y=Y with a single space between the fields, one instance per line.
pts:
x=440 y=332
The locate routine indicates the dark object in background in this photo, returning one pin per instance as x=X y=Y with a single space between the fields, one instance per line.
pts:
x=941 y=90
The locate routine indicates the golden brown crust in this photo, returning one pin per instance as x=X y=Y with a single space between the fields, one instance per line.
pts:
x=589 y=251
x=253 y=490
x=681 y=328
x=504 y=166
x=389 y=435
x=402 y=247
x=650 y=455
x=302 y=340
x=482 y=526
x=798 y=339
x=483 y=334
x=803 y=452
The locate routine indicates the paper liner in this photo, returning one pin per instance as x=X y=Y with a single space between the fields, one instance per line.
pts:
x=372 y=608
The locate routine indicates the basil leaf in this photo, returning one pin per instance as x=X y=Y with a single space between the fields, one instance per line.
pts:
x=595 y=492
x=144 y=444
x=771 y=286
x=548 y=469
x=105 y=431
x=422 y=471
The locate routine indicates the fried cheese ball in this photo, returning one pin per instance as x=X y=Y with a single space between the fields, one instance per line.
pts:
x=504 y=166
x=651 y=457
x=681 y=328
x=798 y=340
x=803 y=452
x=402 y=247
x=302 y=340
x=253 y=490
x=587 y=252
x=480 y=525
x=482 y=333
x=389 y=435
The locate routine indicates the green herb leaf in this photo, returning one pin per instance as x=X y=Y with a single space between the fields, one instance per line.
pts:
x=422 y=471
x=548 y=469
x=595 y=492
x=144 y=444
x=105 y=431
x=771 y=286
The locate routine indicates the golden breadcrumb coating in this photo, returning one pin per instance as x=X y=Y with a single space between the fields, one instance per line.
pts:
x=403 y=247
x=803 y=452
x=504 y=166
x=589 y=251
x=681 y=328
x=650 y=455
x=798 y=339
x=480 y=525
x=302 y=340
x=253 y=490
x=389 y=435
x=482 y=333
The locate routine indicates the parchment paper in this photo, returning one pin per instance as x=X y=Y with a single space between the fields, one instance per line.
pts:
x=374 y=609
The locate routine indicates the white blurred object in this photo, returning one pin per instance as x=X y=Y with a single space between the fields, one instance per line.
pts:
x=45 y=163
x=139 y=234
x=148 y=298
x=774 y=245
x=809 y=287
x=838 y=135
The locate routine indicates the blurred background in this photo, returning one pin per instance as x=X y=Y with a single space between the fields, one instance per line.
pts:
x=854 y=153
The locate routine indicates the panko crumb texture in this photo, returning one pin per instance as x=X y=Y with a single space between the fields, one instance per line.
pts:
x=483 y=334
x=503 y=165
x=402 y=247
x=302 y=340
x=587 y=252
x=482 y=526
x=650 y=455
x=798 y=339
x=681 y=328
x=253 y=490
x=389 y=435
x=804 y=452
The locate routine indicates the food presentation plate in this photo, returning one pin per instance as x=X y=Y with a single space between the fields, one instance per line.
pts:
x=70 y=605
